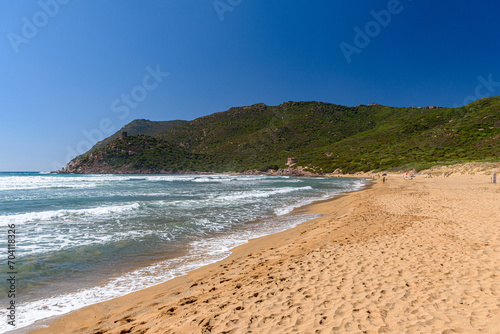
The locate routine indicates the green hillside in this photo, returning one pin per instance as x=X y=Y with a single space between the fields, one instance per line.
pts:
x=142 y=152
x=324 y=137
x=138 y=127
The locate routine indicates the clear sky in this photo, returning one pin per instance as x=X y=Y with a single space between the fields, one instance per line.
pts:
x=73 y=71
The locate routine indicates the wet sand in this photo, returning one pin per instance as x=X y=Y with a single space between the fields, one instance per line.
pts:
x=420 y=256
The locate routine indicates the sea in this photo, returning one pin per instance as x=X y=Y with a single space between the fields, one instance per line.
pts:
x=74 y=240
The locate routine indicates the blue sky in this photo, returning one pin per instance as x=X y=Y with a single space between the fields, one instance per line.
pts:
x=73 y=71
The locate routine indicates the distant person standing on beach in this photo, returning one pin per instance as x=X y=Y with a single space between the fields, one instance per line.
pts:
x=383 y=179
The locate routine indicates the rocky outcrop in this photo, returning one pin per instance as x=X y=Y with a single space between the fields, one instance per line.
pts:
x=94 y=165
x=292 y=161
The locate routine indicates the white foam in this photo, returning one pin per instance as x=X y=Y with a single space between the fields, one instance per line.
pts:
x=6 y=187
x=212 y=179
x=354 y=186
x=260 y=193
x=289 y=208
x=42 y=181
x=45 y=244
x=204 y=249
x=47 y=181
x=49 y=216
x=30 y=312
x=358 y=184
x=169 y=178
x=204 y=252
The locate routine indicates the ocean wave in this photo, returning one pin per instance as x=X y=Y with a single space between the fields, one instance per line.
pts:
x=33 y=311
x=50 y=216
x=44 y=182
x=77 y=182
x=209 y=179
x=358 y=185
x=8 y=187
x=54 y=181
x=289 y=208
x=63 y=247
x=211 y=220
x=203 y=252
x=259 y=194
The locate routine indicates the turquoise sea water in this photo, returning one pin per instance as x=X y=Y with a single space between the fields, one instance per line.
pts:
x=82 y=239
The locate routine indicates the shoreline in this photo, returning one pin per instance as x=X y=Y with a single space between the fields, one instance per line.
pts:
x=386 y=245
x=295 y=216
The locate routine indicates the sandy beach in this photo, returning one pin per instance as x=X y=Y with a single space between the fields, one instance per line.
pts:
x=419 y=256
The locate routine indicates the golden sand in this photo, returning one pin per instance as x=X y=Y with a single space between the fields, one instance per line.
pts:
x=420 y=256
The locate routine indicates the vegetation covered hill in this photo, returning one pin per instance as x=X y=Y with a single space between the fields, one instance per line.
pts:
x=138 y=127
x=322 y=136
